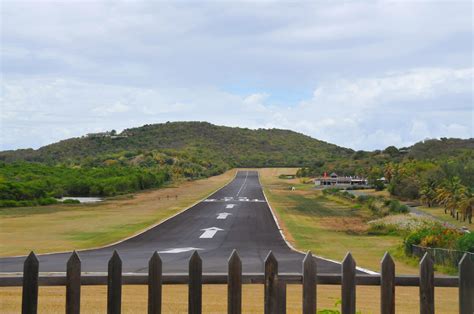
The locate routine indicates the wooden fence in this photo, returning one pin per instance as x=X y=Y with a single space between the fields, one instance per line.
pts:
x=440 y=256
x=273 y=281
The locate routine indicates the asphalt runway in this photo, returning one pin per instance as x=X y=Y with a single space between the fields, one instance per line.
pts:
x=235 y=217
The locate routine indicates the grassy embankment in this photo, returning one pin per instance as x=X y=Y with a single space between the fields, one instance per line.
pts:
x=66 y=227
x=438 y=213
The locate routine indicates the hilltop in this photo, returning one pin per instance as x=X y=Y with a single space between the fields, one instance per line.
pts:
x=236 y=147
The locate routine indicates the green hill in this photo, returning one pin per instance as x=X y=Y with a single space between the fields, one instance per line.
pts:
x=233 y=146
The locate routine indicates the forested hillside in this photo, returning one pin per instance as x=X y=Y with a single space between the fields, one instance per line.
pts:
x=107 y=164
x=200 y=140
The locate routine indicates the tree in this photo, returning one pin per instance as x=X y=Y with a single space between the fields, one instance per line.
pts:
x=428 y=193
x=466 y=205
x=450 y=194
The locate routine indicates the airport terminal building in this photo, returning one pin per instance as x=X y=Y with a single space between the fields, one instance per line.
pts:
x=334 y=179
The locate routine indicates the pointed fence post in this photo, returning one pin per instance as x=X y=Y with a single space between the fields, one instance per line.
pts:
x=195 y=284
x=114 y=285
x=29 y=303
x=348 y=289
x=387 y=285
x=234 y=284
x=154 y=284
x=466 y=285
x=309 y=284
x=426 y=285
x=271 y=284
x=73 y=284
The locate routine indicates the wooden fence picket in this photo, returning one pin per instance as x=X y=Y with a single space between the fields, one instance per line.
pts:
x=30 y=285
x=426 y=285
x=275 y=283
x=114 y=285
x=73 y=284
x=387 y=285
x=466 y=285
x=348 y=285
x=271 y=284
x=154 y=284
x=195 y=284
x=309 y=284
x=234 y=284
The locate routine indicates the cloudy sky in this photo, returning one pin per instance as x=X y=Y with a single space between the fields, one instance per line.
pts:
x=359 y=74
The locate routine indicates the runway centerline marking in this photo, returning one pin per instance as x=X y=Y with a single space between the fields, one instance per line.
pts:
x=229 y=206
x=209 y=233
x=223 y=215
x=243 y=184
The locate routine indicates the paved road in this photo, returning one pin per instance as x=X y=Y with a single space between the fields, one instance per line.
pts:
x=244 y=221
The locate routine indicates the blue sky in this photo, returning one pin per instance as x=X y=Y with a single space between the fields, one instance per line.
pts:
x=363 y=75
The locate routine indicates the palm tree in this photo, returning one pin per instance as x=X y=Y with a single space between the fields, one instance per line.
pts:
x=450 y=194
x=428 y=193
x=466 y=205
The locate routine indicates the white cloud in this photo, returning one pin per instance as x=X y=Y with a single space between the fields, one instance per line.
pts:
x=117 y=107
x=360 y=74
x=366 y=113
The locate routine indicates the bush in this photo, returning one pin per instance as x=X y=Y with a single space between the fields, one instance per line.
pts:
x=435 y=237
x=466 y=243
x=378 y=185
x=71 y=201
x=395 y=207
x=363 y=198
x=47 y=201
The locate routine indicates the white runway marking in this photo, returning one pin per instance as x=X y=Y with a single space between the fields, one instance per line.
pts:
x=240 y=199
x=209 y=233
x=223 y=215
x=243 y=184
x=229 y=206
x=180 y=250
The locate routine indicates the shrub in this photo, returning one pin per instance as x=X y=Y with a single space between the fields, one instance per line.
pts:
x=71 y=201
x=363 y=198
x=378 y=185
x=395 y=206
x=437 y=236
x=466 y=243
x=47 y=201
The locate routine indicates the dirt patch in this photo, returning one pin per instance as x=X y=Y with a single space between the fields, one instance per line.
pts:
x=352 y=225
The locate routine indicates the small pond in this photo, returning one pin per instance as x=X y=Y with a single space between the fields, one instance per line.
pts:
x=82 y=199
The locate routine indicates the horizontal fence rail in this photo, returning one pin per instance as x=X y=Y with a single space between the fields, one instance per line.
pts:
x=274 y=283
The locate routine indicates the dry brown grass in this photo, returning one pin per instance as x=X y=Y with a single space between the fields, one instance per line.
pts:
x=52 y=299
x=67 y=227
x=352 y=225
